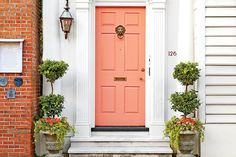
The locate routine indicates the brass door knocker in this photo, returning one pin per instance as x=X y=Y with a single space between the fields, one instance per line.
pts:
x=120 y=31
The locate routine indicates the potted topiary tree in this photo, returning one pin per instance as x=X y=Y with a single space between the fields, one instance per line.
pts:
x=52 y=125
x=182 y=131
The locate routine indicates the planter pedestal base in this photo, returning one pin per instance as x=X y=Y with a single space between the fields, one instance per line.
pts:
x=53 y=147
x=54 y=155
x=186 y=144
x=185 y=155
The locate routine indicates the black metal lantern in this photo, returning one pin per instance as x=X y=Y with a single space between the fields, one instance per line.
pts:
x=66 y=20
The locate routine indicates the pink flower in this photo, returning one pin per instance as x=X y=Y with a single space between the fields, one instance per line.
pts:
x=188 y=121
x=57 y=120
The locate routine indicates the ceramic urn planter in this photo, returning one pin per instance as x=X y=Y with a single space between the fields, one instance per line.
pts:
x=53 y=147
x=186 y=144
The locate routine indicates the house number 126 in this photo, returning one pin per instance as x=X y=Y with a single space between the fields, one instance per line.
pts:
x=172 y=53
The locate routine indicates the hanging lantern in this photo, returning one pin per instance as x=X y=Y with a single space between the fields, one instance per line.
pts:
x=66 y=20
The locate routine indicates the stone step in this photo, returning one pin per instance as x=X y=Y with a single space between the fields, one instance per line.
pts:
x=121 y=133
x=121 y=141
x=121 y=155
x=119 y=150
x=126 y=144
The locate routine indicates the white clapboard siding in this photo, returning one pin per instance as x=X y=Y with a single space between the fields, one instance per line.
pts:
x=220 y=100
x=221 y=118
x=222 y=51
x=220 y=109
x=221 y=12
x=226 y=41
x=221 y=21
x=221 y=90
x=220 y=3
x=220 y=70
x=219 y=31
x=221 y=60
x=227 y=80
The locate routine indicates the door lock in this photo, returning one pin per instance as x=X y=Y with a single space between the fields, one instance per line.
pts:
x=143 y=70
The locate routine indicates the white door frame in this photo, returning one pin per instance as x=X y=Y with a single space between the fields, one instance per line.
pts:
x=155 y=92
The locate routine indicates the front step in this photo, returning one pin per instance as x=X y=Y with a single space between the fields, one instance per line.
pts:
x=120 y=155
x=119 y=144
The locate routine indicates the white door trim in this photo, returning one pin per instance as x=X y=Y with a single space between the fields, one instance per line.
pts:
x=157 y=47
x=120 y=3
x=155 y=95
x=199 y=51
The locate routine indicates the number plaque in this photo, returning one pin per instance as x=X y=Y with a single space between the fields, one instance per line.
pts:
x=11 y=93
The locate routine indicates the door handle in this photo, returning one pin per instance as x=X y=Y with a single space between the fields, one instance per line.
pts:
x=143 y=69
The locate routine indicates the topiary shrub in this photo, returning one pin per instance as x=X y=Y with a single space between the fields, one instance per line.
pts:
x=52 y=105
x=53 y=70
x=186 y=73
x=51 y=123
x=186 y=102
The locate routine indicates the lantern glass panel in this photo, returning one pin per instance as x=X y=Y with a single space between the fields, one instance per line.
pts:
x=66 y=24
x=66 y=14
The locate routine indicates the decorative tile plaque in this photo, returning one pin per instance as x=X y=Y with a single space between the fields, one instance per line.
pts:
x=3 y=81
x=18 y=81
x=11 y=93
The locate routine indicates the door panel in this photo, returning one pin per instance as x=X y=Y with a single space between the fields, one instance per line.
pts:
x=131 y=99
x=108 y=99
x=108 y=53
x=120 y=63
x=131 y=52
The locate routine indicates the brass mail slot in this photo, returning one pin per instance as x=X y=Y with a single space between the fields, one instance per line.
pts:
x=120 y=78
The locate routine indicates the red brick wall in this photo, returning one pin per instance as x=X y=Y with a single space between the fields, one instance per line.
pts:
x=19 y=19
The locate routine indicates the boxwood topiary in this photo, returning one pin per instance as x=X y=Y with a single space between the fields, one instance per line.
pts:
x=52 y=105
x=186 y=73
x=53 y=70
x=186 y=102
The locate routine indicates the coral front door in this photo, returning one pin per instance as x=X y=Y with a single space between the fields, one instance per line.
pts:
x=120 y=66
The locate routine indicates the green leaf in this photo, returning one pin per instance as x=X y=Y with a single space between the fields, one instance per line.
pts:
x=187 y=73
x=53 y=70
x=51 y=105
x=185 y=102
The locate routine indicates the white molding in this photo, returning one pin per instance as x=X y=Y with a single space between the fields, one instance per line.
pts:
x=120 y=3
x=148 y=86
x=199 y=44
x=83 y=73
x=159 y=70
x=158 y=4
x=82 y=4
x=12 y=40
x=92 y=63
x=85 y=53
x=148 y=61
